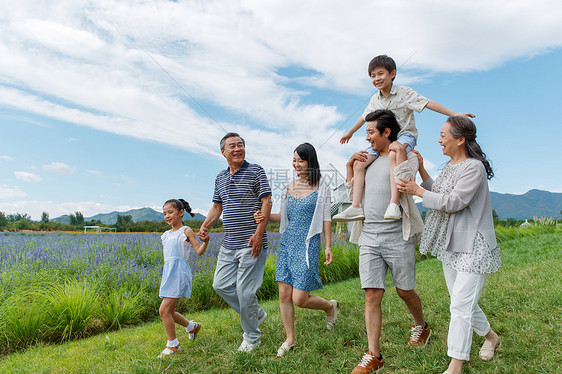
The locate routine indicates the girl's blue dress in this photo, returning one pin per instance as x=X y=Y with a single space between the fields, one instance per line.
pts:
x=176 y=275
x=291 y=256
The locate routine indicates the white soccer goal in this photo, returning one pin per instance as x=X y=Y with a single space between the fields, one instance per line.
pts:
x=99 y=229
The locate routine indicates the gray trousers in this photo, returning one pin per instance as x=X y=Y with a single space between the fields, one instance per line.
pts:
x=238 y=276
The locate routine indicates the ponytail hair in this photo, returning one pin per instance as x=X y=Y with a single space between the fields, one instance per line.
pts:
x=181 y=204
x=462 y=126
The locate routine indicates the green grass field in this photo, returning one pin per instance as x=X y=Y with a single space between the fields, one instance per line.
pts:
x=522 y=301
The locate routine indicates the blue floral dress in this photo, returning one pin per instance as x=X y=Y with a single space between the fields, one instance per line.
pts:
x=291 y=256
x=176 y=275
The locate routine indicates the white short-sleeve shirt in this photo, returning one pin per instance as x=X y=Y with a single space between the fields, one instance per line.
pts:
x=402 y=101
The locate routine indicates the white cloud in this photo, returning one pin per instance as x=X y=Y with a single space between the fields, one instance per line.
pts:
x=127 y=179
x=71 y=139
x=59 y=168
x=237 y=60
x=6 y=158
x=94 y=173
x=27 y=177
x=11 y=192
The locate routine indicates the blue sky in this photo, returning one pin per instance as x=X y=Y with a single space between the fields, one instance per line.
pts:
x=101 y=101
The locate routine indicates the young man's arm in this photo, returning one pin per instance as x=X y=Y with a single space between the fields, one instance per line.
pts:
x=436 y=107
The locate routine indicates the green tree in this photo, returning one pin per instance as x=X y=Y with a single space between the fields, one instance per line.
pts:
x=45 y=217
x=72 y=219
x=79 y=218
x=123 y=222
x=3 y=220
x=19 y=217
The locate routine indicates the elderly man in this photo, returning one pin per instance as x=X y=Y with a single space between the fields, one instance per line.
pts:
x=386 y=244
x=240 y=191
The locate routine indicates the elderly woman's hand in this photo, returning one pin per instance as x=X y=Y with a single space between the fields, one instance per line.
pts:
x=410 y=187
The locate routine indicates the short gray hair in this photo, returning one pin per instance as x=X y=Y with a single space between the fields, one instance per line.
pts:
x=230 y=135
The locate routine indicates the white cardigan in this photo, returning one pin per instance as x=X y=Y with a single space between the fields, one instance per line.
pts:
x=469 y=206
x=321 y=213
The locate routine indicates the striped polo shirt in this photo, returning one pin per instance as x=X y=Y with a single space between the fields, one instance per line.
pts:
x=240 y=196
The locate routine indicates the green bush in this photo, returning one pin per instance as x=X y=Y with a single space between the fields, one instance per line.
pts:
x=71 y=309
x=22 y=323
x=119 y=309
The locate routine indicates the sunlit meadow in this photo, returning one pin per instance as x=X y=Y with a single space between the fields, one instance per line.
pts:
x=60 y=286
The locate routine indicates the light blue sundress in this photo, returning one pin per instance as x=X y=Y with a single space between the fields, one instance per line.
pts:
x=176 y=275
x=291 y=256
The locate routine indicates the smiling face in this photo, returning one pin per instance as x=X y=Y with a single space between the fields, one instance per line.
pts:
x=172 y=215
x=300 y=166
x=382 y=79
x=234 y=151
x=449 y=143
x=378 y=141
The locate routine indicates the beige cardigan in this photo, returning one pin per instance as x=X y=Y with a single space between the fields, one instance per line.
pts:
x=469 y=205
x=412 y=223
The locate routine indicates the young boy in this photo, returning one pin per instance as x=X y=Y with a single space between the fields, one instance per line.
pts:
x=402 y=101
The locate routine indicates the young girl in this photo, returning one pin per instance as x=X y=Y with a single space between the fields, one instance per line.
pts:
x=176 y=276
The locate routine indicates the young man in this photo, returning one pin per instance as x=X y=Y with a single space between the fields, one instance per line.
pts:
x=385 y=244
x=240 y=191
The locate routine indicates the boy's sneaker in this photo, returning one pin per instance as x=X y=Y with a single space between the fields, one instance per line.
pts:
x=393 y=212
x=419 y=336
x=350 y=214
x=193 y=333
x=248 y=347
x=368 y=364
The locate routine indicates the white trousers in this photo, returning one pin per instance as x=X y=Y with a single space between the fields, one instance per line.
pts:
x=466 y=315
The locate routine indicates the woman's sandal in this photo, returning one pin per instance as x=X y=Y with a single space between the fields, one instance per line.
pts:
x=169 y=351
x=488 y=350
x=331 y=320
x=284 y=349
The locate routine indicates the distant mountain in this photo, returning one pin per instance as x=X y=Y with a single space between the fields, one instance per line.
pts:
x=534 y=203
x=142 y=214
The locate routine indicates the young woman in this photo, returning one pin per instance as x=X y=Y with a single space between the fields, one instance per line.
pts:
x=305 y=214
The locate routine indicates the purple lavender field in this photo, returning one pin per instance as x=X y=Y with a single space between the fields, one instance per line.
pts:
x=60 y=286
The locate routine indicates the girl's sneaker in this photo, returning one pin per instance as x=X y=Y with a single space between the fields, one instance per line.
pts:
x=193 y=333
x=169 y=351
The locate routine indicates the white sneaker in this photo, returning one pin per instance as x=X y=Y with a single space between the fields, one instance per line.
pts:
x=350 y=214
x=248 y=347
x=392 y=212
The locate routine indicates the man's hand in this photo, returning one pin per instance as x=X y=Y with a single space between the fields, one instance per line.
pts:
x=396 y=146
x=203 y=234
x=360 y=156
x=256 y=242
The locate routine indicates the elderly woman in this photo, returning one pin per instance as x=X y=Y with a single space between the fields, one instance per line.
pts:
x=459 y=231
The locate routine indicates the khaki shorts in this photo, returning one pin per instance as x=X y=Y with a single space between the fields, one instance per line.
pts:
x=390 y=252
